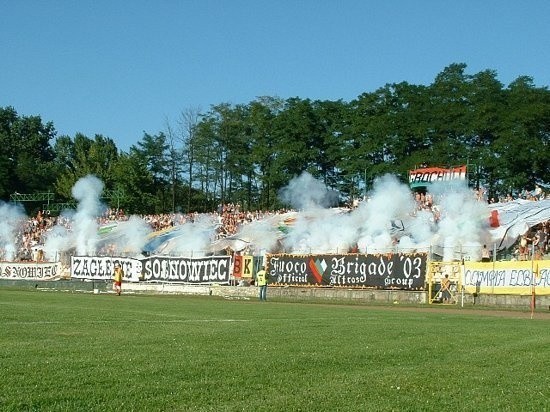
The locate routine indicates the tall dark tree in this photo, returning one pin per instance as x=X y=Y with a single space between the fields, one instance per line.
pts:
x=522 y=153
x=83 y=156
x=484 y=125
x=327 y=143
x=450 y=111
x=153 y=152
x=262 y=113
x=245 y=153
x=26 y=153
x=187 y=125
x=368 y=136
x=8 y=118
x=132 y=179
x=295 y=133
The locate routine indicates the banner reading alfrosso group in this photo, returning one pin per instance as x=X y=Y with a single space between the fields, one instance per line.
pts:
x=393 y=271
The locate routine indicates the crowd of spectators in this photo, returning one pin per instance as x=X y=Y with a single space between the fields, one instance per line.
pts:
x=534 y=242
x=537 y=194
x=33 y=231
x=232 y=218
x=229 y=219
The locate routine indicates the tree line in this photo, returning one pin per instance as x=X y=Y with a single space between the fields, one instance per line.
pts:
x=245 y=153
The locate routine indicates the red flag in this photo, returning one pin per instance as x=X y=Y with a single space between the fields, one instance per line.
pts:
x=493 y=220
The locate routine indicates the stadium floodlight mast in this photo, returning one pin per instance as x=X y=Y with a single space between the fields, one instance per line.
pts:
x=33 y=197
x=116 y=195
x=16 y=197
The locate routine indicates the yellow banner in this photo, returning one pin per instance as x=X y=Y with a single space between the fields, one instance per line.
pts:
x=248 y=263
x=510 y=278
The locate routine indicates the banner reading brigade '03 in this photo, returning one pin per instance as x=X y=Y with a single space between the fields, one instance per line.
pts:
x=393 y=271
x=102 y=267
x=212 y=269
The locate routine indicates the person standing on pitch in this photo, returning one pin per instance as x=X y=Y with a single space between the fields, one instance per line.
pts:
x=118 y=275
x=261 y=281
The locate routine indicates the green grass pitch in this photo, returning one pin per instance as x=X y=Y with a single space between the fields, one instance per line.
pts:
x=82 y=352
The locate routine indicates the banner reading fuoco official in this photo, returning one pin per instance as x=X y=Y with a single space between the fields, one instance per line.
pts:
x=393 y=271
x=212 y=269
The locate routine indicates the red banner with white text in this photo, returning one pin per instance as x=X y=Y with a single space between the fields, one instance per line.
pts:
x=429 y=175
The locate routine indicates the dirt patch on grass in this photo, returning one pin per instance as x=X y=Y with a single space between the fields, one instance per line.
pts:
x=514 y=312
x=519 y=313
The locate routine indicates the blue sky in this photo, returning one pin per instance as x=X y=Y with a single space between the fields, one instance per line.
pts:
x=122 y=68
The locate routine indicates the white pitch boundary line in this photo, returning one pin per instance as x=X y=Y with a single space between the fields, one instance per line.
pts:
x=55 y=322
x=50 y=322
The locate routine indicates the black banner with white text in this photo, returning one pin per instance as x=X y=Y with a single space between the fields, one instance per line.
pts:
x=212 y=269
x=102 y=268
x=393 y=271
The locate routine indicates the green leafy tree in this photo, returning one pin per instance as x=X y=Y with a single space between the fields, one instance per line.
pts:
x=153 y=151
x=82 y=156
x=327 y=140
x=366 y=142
x=522 y=153
x=483 y=124
x=450 y=109
x=239 y=168
x=8 y=118
x=136 y=184
x=26 y=154
x=294 y=135
x=187 y=125
x=261 y=116
x=245 y=153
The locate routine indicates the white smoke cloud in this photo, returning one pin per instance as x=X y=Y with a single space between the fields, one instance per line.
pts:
x=305 y=192
x=58 y=239
x=12 y=217
x=129 y=237
x=463 y=227
x=79 y=230
x=87 y=191
x=390 y=204
x=421 y=231
x=371 y=227
x=191 y=238
x=261 y=234
x=321 y=231
x=389 y=221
